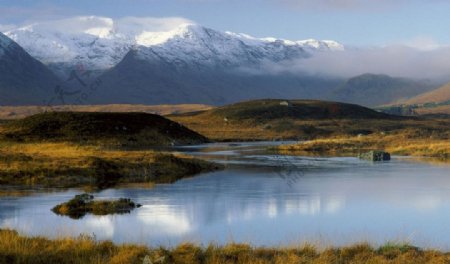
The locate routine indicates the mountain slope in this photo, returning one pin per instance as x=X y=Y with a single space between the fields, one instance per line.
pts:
x=157 y=81
x=378 y=89
x=440 y=95
x=23 y=79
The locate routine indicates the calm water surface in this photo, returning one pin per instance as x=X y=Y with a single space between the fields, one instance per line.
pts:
x=265 y=199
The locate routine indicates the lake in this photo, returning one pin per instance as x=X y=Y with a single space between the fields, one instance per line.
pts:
x=265 y=199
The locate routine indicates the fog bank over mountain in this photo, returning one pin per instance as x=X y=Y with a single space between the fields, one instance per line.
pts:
x=401 y=61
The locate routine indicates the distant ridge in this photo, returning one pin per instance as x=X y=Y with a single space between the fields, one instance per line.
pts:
x=442 y=94
x=378 y=89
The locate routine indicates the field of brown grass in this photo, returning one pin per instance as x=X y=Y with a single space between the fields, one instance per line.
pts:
x=15 y=248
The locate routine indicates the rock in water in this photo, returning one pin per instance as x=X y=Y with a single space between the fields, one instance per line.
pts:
x=375 y=155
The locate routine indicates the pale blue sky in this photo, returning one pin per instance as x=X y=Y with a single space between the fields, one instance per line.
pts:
x=352 y=22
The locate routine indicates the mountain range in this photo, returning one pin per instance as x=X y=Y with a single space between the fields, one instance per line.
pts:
x=100 y=43
x=106 y=61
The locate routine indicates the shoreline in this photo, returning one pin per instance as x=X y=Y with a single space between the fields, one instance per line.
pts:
x=17 y=248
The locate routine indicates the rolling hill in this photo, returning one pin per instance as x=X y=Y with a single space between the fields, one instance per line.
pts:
x=116 y=129
x=287 y=119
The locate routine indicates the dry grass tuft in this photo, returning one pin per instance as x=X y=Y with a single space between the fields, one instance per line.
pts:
x=15 y=248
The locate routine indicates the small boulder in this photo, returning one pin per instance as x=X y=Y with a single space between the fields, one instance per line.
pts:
x=375 y=155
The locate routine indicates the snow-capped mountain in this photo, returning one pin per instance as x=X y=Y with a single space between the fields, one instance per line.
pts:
x=63 y=45
x=99 y=43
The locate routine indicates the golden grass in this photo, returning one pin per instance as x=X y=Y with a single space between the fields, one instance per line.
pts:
x=71 y=165
x=397 y=143
x=15 y=248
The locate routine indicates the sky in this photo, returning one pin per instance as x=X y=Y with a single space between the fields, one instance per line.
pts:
x=417 y=23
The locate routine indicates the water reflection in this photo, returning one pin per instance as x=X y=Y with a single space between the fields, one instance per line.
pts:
x=335 y=200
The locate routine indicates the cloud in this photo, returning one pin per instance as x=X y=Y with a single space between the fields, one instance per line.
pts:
x=423 y=43
x=400 y=61
x=150 y=24
x=98 y=25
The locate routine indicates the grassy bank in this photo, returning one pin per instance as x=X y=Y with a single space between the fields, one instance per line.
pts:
x=414 y=142
x=15 y=248
x=72 y=165
x=74 y=149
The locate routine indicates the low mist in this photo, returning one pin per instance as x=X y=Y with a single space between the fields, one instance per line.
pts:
x=399 y=61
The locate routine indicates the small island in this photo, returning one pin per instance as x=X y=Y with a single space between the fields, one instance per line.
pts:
x=83 y=204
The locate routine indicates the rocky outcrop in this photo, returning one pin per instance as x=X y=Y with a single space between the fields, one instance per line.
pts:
x=375 y=155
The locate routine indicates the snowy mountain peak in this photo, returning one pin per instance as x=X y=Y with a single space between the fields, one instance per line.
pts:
x=149 y=38
x=99 y=43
